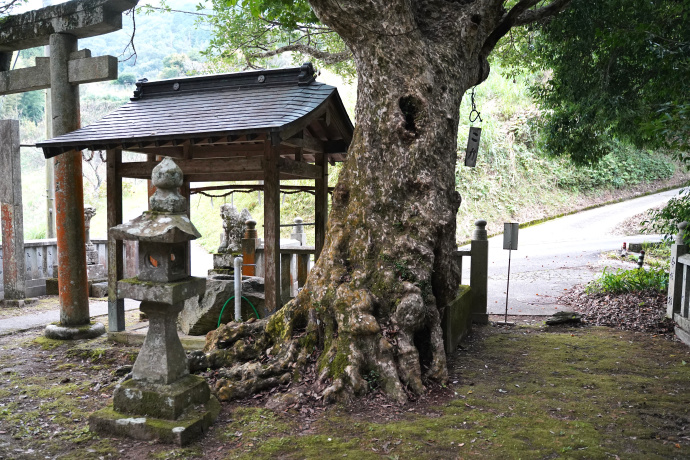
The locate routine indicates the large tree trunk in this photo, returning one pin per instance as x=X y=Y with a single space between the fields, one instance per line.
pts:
x=372 y=305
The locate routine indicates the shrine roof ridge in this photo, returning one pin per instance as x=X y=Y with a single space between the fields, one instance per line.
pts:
x=254 y=79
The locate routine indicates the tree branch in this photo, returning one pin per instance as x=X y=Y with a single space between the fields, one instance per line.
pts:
x=552 y=9
x=520 y=15
x=8 y=5
x=326 y=57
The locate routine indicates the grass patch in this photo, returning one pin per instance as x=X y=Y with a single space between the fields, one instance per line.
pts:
x=629 y=281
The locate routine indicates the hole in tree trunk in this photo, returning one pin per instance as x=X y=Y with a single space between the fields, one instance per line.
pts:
x=422 y=341
x=410 y=107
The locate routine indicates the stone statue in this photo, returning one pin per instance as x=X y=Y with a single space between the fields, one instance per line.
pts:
x=91 y=253
x=233 y=228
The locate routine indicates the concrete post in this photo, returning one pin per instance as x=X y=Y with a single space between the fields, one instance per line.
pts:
x=69 y=191
x=674 y=299
x=479 y=273
x=13 y=262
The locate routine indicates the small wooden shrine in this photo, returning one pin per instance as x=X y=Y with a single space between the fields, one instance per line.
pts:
x=265 y=125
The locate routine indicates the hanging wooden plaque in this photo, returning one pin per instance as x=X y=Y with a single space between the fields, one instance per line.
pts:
x=472 y=146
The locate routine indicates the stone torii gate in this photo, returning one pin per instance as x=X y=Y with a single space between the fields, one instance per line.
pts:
x=60 y=26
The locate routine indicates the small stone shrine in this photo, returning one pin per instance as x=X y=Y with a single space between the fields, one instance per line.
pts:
x=162 y=401
x=230 y=239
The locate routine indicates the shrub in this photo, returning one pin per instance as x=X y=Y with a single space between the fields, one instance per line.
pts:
x=629 y=281
x=666 y=219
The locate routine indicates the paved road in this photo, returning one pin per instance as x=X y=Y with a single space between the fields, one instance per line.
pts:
x=556 y=255
x=97 y=308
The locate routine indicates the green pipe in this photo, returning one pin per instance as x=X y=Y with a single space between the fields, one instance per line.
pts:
x=226 y=303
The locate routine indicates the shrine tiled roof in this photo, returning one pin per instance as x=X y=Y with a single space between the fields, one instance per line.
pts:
x=181 y=110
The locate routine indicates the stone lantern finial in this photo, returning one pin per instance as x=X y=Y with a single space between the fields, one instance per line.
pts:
x=167 y=178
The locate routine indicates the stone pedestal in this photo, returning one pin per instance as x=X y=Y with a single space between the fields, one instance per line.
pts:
x=162 y=401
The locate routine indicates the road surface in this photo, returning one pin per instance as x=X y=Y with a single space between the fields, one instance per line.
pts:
x=554 y=256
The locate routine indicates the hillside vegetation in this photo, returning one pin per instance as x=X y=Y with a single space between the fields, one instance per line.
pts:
x=513 y=180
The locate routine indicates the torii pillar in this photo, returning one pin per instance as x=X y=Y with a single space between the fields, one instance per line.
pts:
x=61 y=26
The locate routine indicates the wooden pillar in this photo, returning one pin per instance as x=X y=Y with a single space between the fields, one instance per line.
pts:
x=271 y=228
x=302 y=269
x=321 y=204
x=185 y=191
x=285 y=277
x=116 y=307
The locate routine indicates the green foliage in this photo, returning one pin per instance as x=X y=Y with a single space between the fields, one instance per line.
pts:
x=126 y=79
x=254 y=33
x=614 y=68
x=622 y=166
x=666 y=219
x=629 y=281
x=290 y=13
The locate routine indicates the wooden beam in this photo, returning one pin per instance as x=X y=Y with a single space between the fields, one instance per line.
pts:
x=143 y=169
x=321 y=205
x=310 y=144
x=300 y=169
x=116 y=307
x=254 y=187
x=271 y=229
x=234 y=150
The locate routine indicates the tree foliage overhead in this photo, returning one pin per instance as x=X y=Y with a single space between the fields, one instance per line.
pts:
x=246 y=33
x=616 y=68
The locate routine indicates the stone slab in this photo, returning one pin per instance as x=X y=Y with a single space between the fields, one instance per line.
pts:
x=99 y=290
x=169 y=293
x=200 y=314
x=223 y=261
x=160 y=401
x=191 y=425
x=137 y=334
x=80 y=18
x=17 y=303
x=457 y=319
x=80 y=71
x=52 y=286
x=96 y=272
x=11 y=212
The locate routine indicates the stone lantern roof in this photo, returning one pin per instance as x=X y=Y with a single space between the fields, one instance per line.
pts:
x=167 y=221
x=156 y=227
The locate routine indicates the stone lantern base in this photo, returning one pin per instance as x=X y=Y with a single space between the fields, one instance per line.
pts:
x=177 y=413
x=162 y=401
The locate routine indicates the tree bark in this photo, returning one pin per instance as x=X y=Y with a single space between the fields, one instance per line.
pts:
x=370 y=311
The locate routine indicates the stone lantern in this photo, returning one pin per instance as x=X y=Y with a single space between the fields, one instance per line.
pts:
x=162 y=400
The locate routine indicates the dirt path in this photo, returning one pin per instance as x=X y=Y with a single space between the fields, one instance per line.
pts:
x=525 y=392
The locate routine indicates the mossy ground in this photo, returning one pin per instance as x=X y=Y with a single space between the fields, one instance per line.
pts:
x=525 y=392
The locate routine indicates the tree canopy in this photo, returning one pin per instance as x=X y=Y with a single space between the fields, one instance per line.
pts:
x=246 y=33
x=614 y=68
